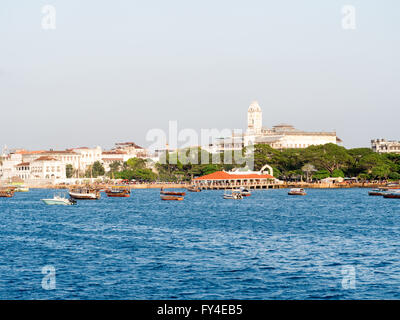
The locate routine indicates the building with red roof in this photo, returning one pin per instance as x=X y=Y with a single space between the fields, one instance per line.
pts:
x=235 y=179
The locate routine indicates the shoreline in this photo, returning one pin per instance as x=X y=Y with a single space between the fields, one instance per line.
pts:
x=184 y=186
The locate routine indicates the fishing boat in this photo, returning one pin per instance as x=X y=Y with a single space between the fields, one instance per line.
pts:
x=393 y=186
x=378 y=192
x=194 y=189
x=392 y=194
x=176 y=198
x=171 y=193
x=234 y=195
x=118 y=192
x=245 y=192
x=84 y=194
x=6 y=193
x=297 y=192
x=58 y=200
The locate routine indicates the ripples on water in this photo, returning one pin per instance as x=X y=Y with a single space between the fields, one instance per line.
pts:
x=267 y=246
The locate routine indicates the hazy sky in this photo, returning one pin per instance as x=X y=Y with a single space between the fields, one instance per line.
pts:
x=112 y=70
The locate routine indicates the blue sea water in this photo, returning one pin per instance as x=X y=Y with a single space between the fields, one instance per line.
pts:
x=267 y=246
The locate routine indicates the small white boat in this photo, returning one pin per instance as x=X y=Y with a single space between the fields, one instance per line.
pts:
x=57 y=200
x=297 y=192
x=21 y=189
x=235 y=195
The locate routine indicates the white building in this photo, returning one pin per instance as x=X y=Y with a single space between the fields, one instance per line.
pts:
x=108 y=157
x=8 y=168
x=282 y=136
x=46 y=167
x=87 y=156
x=385 y=146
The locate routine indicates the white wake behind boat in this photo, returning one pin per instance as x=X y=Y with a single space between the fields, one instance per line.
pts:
x=57 y=200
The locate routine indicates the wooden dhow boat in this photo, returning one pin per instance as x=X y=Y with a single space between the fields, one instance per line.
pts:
x=392 y=194
x=378 y=192
x=85 y=194
x=174 y=198
x=6 y=193
x=118 y=192
x=171 y=193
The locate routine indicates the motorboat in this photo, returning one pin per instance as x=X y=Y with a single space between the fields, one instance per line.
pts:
x=194 y=189
x=297 y=192
x=57 y=200
x=378 y=192
x=245 y=192
x=234 y=195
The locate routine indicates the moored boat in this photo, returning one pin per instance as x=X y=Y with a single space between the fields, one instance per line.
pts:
x=57 y=200
x=392 y=194
x=6 y=193
x=167 y=197
x=297 y=192
x=84 y=194
x=194 y=189
x=245 y=192
x=234 y=195
x=21 y=189
x=118 y=192
x=378 y=192
x=171 y=193
x=392 y=186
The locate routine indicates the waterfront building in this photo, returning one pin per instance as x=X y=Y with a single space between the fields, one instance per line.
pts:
x=281 y=136
x=87 y=156
x=46 y=168
x=385 y=146
x=23 y=170
x=22 y=163
x=238 y=178
x=8 y=167
x=108 y=157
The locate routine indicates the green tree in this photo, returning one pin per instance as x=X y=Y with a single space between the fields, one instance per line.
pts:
x=321 y=174
x=69 y=171
x=136 y=163
x=328 y=156
x=95 y=170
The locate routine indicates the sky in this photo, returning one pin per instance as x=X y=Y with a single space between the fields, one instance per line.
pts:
x=113 y=70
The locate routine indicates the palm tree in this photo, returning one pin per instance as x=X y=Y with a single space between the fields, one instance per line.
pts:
x=308 y=169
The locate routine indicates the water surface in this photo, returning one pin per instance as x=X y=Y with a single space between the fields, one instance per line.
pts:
x=267 y=246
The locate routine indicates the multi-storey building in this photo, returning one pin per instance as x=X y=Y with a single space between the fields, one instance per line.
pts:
x=282 y=136
x=385 y=146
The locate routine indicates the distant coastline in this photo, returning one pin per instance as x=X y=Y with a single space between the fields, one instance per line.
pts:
x=185 y=185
